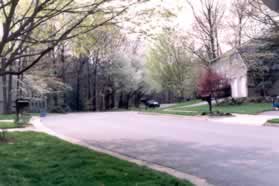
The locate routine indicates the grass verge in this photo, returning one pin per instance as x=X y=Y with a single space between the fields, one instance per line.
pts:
x=177 y=109
x=185 y=104
x=7 y=116
x=9 y=125
x=274 y=121
x=35 y=159
x=248 y=108
x=24 y=120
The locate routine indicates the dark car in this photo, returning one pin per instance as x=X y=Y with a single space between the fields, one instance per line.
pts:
x=152 y=104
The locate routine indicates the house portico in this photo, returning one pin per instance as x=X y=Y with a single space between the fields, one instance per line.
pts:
x=233 y=68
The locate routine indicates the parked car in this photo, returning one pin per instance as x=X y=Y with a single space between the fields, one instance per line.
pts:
x=150 y=103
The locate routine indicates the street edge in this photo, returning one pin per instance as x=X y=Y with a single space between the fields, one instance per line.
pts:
x=200 y=118
x=36 y=122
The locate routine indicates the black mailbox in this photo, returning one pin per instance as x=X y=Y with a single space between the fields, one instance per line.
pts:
x=22 y=104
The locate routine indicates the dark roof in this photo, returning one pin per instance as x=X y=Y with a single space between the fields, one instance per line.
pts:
x=260 y=52
x=263 y=51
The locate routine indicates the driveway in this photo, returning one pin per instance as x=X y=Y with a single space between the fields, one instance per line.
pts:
x=223 y=154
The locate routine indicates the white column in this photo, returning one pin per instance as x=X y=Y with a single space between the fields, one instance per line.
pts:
x=234 y=88
x=244 y=87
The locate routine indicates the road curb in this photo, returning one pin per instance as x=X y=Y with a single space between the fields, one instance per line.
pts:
x=199 y=118
x=36 y=122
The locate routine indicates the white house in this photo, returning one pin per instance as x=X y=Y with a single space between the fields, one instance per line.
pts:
x=232 y=66
x=253 y=70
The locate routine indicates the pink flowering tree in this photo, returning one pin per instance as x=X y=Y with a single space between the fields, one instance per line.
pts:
x=211 y=86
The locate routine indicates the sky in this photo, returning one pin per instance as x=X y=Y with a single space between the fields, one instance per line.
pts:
x=183 y=21
x=184 y=13
x=184 y=16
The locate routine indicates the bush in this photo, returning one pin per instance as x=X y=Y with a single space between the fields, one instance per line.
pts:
x=240 y=101
x=61 y=109
x=23 y=120
x=217 y=114
x=3 y=136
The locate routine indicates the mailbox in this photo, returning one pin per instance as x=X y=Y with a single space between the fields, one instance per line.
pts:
x=22 y=104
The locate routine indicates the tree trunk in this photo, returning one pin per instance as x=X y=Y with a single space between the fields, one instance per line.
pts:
x=10 y=87
x=55 y=96
x=107 y=101
x=79 y=73
x=209 y=101
x=78 y=93
x=113 y=99
x=4 y=90
x=120 y=103
x=63 y=72
x=95 y=93
x=88 y=82
x=128 y=97
x=138 y=97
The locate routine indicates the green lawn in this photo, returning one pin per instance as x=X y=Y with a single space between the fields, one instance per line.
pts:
x=8 y=125
x=177 y=109
x=34 y=159
x=174 y=112
x=13 y=116
x=185 y=104
x=7 y=116
x=248 y=108
x=274 y=121
x=24 y=120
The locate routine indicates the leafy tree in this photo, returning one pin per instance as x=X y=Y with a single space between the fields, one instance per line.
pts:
x=212 y=85
x=34 y=28
x=170 y=66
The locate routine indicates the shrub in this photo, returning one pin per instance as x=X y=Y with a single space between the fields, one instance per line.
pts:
x=240 y=101
x=3 y=136
x=212 y=85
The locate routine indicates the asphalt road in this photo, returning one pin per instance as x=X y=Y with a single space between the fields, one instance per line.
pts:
x=224 y=155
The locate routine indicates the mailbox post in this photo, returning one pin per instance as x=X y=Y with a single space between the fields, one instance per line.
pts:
x=21 y=104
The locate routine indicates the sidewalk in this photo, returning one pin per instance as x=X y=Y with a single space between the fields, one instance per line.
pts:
x=242 y=119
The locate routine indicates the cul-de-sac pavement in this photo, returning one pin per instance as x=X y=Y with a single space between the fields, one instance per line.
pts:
x=223 y=154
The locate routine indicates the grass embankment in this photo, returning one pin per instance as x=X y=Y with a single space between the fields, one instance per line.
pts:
x=7 y=116
x=274 y=121
x=177 y=109
x=8 y=125
x=34 y=159
x=246 y=108
x=8 y=121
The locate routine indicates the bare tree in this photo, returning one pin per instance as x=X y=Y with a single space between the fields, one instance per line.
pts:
x=207 y=25
x=240 y=18
x=272 y=4
x=261 y=13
